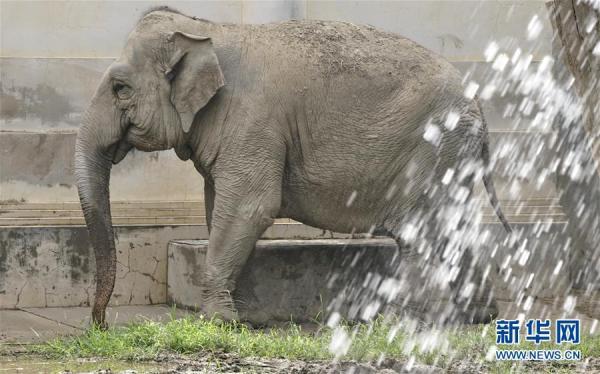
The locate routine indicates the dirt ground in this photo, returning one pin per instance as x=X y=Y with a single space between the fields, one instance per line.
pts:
x=230 y=363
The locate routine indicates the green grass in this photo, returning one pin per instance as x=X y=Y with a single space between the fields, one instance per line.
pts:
x=190 y=335
x=146 y=340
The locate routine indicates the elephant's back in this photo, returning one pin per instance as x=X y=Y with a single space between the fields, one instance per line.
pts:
x=316 y=49
x=335 y=48
x=354 y=68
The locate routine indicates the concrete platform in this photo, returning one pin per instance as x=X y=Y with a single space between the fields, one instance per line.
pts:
x=307 y=280
x=284 y=279
x=19 y=327
x=303 y=280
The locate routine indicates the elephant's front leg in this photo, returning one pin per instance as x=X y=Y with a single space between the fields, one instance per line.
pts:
x=244 y=207
x=209 y=202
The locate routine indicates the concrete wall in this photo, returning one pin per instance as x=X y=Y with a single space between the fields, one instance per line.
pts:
x=53 y=54
x=46 y=267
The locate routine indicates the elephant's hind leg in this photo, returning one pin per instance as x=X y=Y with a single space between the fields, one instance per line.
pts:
x=420 y=293
x=440 y=280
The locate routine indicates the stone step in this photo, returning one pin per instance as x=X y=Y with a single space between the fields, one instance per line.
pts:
x=117 y=221
x=201 y=220
x=199 y=204
x=71 y=208
x=283 y=279
x=75 y=205
x=192 y=212
x=116 y=212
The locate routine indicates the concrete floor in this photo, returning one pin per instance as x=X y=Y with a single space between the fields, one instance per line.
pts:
x=33 y=325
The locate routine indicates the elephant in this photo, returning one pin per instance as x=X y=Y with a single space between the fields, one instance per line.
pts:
x=327 y=123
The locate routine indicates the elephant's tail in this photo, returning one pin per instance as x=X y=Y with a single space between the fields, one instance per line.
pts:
x=488 y=181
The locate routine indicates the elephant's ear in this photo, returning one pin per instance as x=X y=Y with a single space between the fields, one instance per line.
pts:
x=195 y=74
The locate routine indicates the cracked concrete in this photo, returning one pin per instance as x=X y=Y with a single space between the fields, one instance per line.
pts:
x=49 y=267
x=54 y=266
x=34 y=325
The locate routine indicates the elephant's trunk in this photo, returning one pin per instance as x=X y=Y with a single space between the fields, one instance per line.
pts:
x=93 y=160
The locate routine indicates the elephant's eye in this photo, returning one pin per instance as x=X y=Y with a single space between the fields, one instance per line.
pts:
x=122 y=91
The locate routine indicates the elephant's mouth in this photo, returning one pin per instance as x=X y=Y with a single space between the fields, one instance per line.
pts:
x=120 y=151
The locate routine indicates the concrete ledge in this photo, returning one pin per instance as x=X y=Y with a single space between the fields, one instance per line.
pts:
x=284 y=279
x=303 y=279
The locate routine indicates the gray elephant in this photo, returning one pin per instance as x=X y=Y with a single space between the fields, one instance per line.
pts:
x=321 y=122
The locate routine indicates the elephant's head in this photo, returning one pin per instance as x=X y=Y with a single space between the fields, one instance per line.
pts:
x=147 y=99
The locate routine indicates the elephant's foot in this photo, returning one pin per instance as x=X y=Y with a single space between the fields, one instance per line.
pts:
x=425 y=295
x=99 y=317
x=475 y=312
x=219 y=305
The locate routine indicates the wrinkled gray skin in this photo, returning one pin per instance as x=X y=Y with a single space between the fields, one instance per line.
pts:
x=281 y=120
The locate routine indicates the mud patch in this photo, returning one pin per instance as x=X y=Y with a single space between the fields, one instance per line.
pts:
x=231 y=363
x=207 y=362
